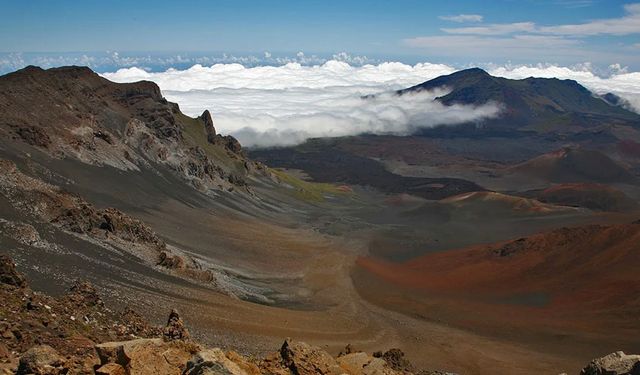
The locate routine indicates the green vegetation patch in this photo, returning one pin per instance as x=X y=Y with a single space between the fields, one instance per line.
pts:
x=310 y=191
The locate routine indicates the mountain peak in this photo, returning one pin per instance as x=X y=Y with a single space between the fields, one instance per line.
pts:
x=471 y=72
x=534 y=103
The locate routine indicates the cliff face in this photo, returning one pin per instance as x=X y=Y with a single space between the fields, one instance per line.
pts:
x=72 y=112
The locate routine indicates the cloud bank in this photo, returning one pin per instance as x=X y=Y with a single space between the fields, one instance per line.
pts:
x=284 y=105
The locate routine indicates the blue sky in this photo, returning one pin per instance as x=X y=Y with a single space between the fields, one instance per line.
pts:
x=455 y=32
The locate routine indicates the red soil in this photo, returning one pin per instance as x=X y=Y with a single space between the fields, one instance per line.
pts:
x=589 y=268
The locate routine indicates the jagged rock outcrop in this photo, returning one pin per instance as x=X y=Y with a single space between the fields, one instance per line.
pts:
x=175 y=328
x=617 y=363
x=9 y=274
x=208 y=126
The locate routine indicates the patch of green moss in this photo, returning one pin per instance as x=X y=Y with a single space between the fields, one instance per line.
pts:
x=308 y=191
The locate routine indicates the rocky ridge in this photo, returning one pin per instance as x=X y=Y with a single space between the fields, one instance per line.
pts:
x=72 y=112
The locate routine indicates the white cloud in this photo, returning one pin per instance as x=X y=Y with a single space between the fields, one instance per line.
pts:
x=463 y=18
x=628 y=24
x=284 y=105
x=493 y=29
x=573 y=4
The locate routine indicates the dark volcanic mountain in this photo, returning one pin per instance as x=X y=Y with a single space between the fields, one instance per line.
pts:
x=540 y=104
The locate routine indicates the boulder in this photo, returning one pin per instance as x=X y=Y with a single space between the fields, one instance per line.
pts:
x=41 y=360
x=175 y=329
x=303 y=359
x=212 y=361
x=145 y=356
x=9 y=274
x=123 y=352
x=617 y=363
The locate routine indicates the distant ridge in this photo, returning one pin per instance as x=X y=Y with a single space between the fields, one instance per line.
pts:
x=539 y=104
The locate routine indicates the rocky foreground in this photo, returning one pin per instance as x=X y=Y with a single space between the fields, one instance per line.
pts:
x=78 y=334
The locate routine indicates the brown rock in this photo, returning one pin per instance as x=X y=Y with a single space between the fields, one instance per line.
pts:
x=120 y=351
x=83 y=293
x=141 y=356
x=4 y=351
x=395 y=359
x=243 y=363
x=9 y=274
x=41 y=360
x=175 y=329
x=212 y=361
x=617 y=363
x=177 y=356
x=111 y=369
x=303 y=359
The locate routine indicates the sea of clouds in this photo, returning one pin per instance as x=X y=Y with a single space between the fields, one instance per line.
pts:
x=283 y=105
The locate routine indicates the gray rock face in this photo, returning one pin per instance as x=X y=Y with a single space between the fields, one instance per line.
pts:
x=617 y=363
